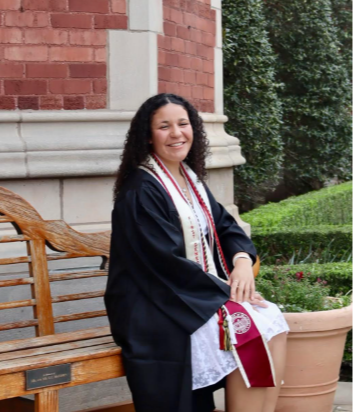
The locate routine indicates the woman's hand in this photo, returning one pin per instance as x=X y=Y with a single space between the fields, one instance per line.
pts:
x=241 y=281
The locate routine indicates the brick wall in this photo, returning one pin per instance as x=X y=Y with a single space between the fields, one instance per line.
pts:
x=53 y=52
x=186 y=51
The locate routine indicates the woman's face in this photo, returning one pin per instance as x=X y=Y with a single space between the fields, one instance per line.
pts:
x=172 y=134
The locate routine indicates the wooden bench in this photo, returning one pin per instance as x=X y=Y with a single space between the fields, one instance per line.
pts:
x=91 y=353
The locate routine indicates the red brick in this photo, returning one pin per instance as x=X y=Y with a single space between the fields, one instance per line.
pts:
x=172 y=3
x=26 y=19
x=190 y=6
x=91 y=6
x=100 y=86
x=208 y=66
x=177 y=44
x=207 y=26
x=184 y=62
x=213 y=15
x=10 y=4
x=51 y=102
x=28 y=102
x=177 y=75
x=190 y=47
x=197 y=92
x=11 y=70
x=201 y=78
x=96 y=102
x=164 y=73
x=100 y=55
x=73 y=102
x=172 y=88
x=171 y=59
x=190 y=19
x=58 y=5
x=80 y=21
x=26 y=53
x=176 y=16
x=46 y=70
x=89 y=38
x=196 y=63
x=45 y=36
x=23 y=87
x=169 y=29
x=71 y=54
x=166 y=13
x=7 y=103
x=35 y=4
x=13 y=35
x=210 y=80
x=183 y=32
x=70 y=86
x=204 y=11
x=208 y=93
x=162 y=88
x=208 y=39
x=164 y=42
x=161 y=57
x=185 y=90
x=119 y=6
x=88 y=70
x=189 y=77
x=196 y=35
x=110 y=22
x=205 y=51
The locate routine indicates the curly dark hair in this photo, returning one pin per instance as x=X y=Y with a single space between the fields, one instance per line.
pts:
x=137 y=147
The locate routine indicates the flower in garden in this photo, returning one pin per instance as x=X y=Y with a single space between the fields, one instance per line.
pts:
x=299 y=276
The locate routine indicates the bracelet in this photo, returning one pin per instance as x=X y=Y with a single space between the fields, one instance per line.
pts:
x=242 y=255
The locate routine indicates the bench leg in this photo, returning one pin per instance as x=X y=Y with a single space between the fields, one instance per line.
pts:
x=47 y=401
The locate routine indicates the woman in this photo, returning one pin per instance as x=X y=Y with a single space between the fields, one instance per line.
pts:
x=176 y=258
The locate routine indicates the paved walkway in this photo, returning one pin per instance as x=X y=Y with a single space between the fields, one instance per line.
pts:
x=343 y=398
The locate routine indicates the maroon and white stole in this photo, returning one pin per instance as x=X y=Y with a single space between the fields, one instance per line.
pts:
x=238 y=330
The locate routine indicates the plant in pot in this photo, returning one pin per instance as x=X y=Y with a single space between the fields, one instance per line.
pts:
x=318 y=328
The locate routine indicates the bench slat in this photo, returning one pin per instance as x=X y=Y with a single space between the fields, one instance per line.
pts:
x=54 y=348
x=76 y=275
x=14 y=260
x=16 y=282
x=73 y=355
x=17 y=304
x=18 y=325
x=13 y=238
x=53 y=339
x=77 y=296
x=77 y=316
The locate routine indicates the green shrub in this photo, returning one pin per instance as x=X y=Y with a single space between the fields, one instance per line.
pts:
x=316 y=95
x=250 y=99
x=328 y=206
x=338 y=276
x=296 y=289
x=321 y=244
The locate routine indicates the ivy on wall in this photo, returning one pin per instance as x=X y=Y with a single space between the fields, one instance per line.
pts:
x=251 y=101
x=316 y=93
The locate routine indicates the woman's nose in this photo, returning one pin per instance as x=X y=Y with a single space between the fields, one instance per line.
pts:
x=175 y=131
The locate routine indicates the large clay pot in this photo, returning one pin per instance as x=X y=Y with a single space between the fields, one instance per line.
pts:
x=314 y=354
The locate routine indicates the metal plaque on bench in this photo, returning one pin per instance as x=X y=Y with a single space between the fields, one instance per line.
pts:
x=52 y=375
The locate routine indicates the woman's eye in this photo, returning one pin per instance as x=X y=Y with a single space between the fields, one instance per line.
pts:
x=184 y=124
x=164 y=127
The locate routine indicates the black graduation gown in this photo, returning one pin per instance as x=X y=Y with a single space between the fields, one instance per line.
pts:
x=156 y=298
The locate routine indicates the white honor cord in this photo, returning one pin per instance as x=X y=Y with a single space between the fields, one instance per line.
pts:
x=240 y=255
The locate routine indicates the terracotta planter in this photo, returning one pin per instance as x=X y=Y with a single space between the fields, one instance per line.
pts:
x=315 y=349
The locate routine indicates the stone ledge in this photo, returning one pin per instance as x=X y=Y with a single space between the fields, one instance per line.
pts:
x=85 y=143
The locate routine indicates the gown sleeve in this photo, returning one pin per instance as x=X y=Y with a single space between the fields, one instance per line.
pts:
x=232 y=237
x=147 y=237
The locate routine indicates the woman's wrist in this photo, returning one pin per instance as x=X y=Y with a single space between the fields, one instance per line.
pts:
x=241 y=256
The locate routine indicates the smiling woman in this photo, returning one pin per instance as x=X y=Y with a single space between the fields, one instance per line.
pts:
x=177 y=260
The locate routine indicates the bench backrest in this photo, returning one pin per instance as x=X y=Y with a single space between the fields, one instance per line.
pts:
x=46 y=241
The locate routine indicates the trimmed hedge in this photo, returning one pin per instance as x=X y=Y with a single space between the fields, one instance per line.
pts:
x=337 y=275
x=328 y=206
x=325 y=243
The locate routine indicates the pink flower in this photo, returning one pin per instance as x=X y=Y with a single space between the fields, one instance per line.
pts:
x=318 y=280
